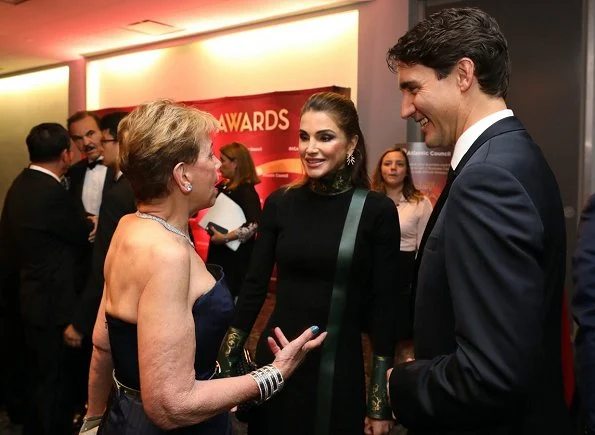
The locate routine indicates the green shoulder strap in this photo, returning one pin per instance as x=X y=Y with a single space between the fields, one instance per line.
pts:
x=337 y=308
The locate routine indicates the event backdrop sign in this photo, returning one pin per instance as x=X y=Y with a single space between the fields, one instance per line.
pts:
x=268 y=125
x=429 y=168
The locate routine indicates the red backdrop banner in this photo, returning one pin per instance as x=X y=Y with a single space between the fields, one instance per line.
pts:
x=268 y=125
x=429 y=168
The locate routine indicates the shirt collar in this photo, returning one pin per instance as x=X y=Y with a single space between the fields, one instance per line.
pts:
x=472 y=133
x=45 y=171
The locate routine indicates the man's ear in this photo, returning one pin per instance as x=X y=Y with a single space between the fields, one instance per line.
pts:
x=66 y=156
x=465 y=71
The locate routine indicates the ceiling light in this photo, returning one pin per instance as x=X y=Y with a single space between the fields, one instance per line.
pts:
x=150 y=27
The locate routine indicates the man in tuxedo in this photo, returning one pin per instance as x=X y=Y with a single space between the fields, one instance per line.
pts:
x=487 y=328
x=44 y=232
x=116 y=203
x=89 y=179
x=583 y=309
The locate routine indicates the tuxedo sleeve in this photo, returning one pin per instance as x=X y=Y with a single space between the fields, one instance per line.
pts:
x=68 y=224
x=494 y=243
x=110 y=212
x=583 y=310
x=256 y=284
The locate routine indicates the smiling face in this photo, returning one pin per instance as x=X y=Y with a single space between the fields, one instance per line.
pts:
x=393 y=169
x=87 y=137
x=323 y=146
x=432 y=103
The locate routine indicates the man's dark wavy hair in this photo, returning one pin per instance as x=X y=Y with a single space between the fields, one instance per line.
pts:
x=446 y=36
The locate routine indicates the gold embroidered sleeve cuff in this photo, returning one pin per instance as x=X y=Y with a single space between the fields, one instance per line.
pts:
x=378 y=406
x=231 y=351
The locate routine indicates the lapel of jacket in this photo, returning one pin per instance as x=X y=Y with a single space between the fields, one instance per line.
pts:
x=505 y=125
x=110 y=179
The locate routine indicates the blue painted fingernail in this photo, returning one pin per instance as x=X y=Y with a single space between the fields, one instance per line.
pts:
x=314 y=329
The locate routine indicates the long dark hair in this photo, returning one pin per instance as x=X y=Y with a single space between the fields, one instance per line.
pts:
x=409 y=190
x=342 y=110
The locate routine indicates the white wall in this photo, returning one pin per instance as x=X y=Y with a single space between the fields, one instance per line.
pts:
x=381 y=24
x=301 y=54
x=346 y=48
x=25 y=101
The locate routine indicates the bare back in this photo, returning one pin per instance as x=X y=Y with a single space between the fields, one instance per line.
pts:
x=136 y=255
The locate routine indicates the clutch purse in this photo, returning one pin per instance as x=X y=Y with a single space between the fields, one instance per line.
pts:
x=246 y=364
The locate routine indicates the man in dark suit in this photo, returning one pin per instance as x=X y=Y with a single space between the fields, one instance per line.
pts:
x=491 y=265
x=116 y=203
x=583 y=309
x=89 y=179
x=44 y=231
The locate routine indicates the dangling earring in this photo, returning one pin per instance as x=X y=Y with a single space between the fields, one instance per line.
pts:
x=351 y=159
x=189 y=187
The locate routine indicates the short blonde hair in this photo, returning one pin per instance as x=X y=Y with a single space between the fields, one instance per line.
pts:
x=154 y=138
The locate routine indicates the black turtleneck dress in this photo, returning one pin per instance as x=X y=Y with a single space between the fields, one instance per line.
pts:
x=300 y=232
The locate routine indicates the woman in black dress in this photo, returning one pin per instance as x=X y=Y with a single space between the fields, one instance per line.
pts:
x=163 y=311
x=300 y=231
x=239 y=178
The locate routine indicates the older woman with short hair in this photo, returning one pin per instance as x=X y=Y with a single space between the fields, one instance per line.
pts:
x=164 y=311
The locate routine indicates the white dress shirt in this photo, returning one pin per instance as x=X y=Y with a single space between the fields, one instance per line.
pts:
x=472 y=133
x=413 y=218
x=45 y=171
x=93 y=188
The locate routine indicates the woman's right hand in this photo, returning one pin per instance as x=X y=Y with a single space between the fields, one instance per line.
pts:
x=289 y=355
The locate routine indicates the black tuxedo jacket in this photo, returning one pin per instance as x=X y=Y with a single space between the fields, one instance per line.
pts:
x=488 y=303
x=43 y=232
x=116 y=203
x=76 y=175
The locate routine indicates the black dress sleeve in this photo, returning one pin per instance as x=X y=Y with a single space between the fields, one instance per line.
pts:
x=249 y=201
x=386 y=236
x=256 y=284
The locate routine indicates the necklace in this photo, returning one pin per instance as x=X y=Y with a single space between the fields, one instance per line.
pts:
x=332 y=184
x=166 y=225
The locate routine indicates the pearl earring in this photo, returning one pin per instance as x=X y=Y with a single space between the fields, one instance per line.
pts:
x=189 y=187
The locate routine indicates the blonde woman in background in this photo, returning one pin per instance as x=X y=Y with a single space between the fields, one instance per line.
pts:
x=392 y=177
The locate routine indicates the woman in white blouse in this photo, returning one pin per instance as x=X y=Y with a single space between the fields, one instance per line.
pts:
x=392 y=177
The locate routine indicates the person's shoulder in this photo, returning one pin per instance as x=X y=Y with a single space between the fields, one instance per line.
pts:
x=283 y=194
x=141 y=237
x=425 y=201
x=77 y=168
x=380 y=205
x=379 y=200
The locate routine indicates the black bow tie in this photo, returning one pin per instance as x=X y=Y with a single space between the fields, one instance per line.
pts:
x=92 y=164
